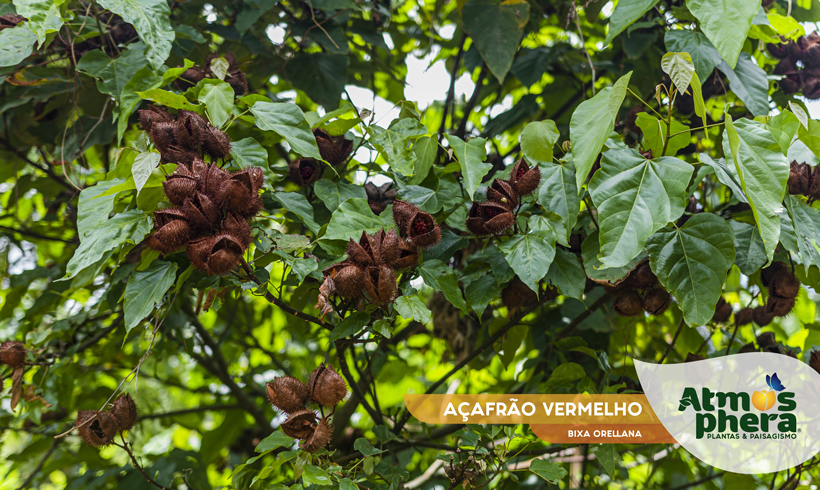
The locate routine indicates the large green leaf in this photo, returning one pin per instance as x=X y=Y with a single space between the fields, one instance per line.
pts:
x=298 y=205
x=691 y=262
x=334 y=194
x=530 y=256
x=423 y=197
x=806 y=224
x=496 y=29
x=749 y=248
x=152 y=20
x=170 y=99
x=471 y=155
x=43 y=16
x=559 y=194
x=128 y=226
x=608 y=458
x=320 y=75
x=784 y=127
x=680 y=68
x=725 y=175
x=93 y=208
x=654 y=135
x=144 y=164
x=218 y=100
x=412 y=307
x=438 y=276
x=481 y=291
x=18 y=43
x=145 y=289
x=548 y=471
x=567 y=274
x=810 y=136
x=350 y=325
x=288 y=121
x=393 y=143
x=590 y=249
x=113 y=74
x=704 y=56
x=348 y=221
x=592 y=123
x=725 y=23
x=763 y=172
x=635 y=197
x=748 y=81
x=247 y=153
x=425 y=150
x=625 y=13
x=538 y=140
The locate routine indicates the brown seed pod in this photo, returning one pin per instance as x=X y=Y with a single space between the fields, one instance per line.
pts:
x=628 y=303
x=179 y=187
x=327 y=387
x=814 y=360
x=171 y=236
x=237 y=228
x=790 y=84
x=226 y=253
x=767 y=274
x=378 y=198
x=300 y=424
x=750 y=347
x=215 y=143
x=693 y=357
x=423 y=230
x=779 y=51
x=811 y=87
x=189 y=78
x=13 y=354
x=153 y=114
x=198 y=251
x=723 y=311
x=744 y=317
x=656 y=301
x=100 y=431
x=334 y=149
x=210 y=180
x=799 y=177
x=785 y=284
x=202 y=213
x=475 y=223
x=518 y=294
x=179 y=156
x=287 y=394
x=163 y=134
x=785 y=67
x=235 y=194
x=641 y=277
x=408 y=256
x=766 y=339
x=811 y=56
x=380 y=284
x=502 y=193
x=189 y=129
x=779 y=306
x=10 y=20
x=497 y=218
x=349 y=281
x=238 y=82
x=305 y=171
x=523 y=179
x=366 y=252
x=320 y=437
x=125 y=412
x=403 y=212
x=814 y=184
x=762 y=317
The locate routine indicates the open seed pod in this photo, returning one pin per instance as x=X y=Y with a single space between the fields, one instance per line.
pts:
x=189 y=129
x=723 y=311
x=367 y=252
x=305 y=171
x=163 y=134
x=497 y=218
x=198 y=251
x=189 y=78
x=656 y=301
x=226 y=252
x=628 y=303
x=403 y=212
x=790 y=84
x=523 y=179
x=761 y=316
x=380 y=283
x=239 y=193
x=378 y=198
x=518 y=294
x=799 y=178
x=475 y=222
x=125 y=412
x=766 y=339
x=151 y=115
x=100 y=431
x=215 y=143
x=172 y=230
x=349 y=281
x=202 y=214
x=502 y=193
x=423 y=230
x=641 y=277
x=237 y=228
x=785 y=284
x=814 y=360
x=407 y=257
x=13 y=354
x=334 y=149
x=211 y=180
x=779 y=306
x=744 y=317
x=287 y=394
x=300 y=425
x=327 y=387
x=319 y=438
x=780 y=50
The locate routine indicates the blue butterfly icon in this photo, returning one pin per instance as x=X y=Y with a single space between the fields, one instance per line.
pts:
x=774 y=382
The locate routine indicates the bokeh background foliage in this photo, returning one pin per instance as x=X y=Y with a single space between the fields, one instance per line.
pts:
x=698 y=107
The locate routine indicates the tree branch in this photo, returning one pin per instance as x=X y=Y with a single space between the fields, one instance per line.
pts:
x=210 y=408
x=28 y=233
x=462 y=127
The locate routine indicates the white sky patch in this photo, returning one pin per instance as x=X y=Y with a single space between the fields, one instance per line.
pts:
x=427 y=84
x=276 y=34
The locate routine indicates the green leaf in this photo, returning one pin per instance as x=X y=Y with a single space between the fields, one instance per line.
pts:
x=288 y=121
x=170 y=99
x=412 y=307
x=423 y=197
x=806 y=224
x=635 y=197
x=725 y=175
x=538 y=140
x=392 y=143
x=783 y=127
x=680 y=68
x=248 y=153
x=351 y=325
x=18 y=44
x=496 y=29
x=567 y=274
x=590 y=249
x=438 y=276
x=320 y=75
x=113 y=74
x=609 y=458
x=565 y=373
x=333 y=194
x=349 y=221
x=93 y=208
x=625 y=13
x=530 y=256
x=471 y=156
x=425 y=150
x=748 y=81
x=128 y=226
x=152 y=20
x=763 y=173
x=298 y=205
x=145 y=289
x=700 y=104
x=704 y=56
x=725 y=23
x=43 y=16
x=274 y=441
x=219 y=67
x=218 y=100
x=481 y=291
x=559 y=194
x=691 y=262
x=654 y=135
x=363 y=446
x=810 y=136
x=800 y=113
x=749 y=249
x=144 y=164
x=591 y=125
x=313 y=475
x=382 y=327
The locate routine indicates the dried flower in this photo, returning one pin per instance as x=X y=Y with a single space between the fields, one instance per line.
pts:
x=518 y=294
x=334 y=149
x=215 y=143
x=172 y=230
x=744 y=317
x=628 y=303
x=523 y=179
x=305 y=171
x=656 y=301
x=378 y=198
x=799 y=177
x=125 y=412
x=100 y=431
x=13 y=354
x=301 y=424
x=327 y=387
x=380 y=283
x=287 y=394
x=723 y=311
x=497 y=218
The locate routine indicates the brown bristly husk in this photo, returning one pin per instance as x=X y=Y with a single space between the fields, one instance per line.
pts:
x=779 y=306
x=497 y=218
x=523 y=179
x=361 y=253
x=380 y=284
x=151 y=115
x=799 y=178
x=744 y=317
x=656 y=301
x=320 y=437
x=238 y=228
x=189 y=128
x=349 y=281
x=641 y=277
x=475 y=222
x=407 y=257
x=723 y=311
x=225 y=255
x=761 y=316
x=518 y=294
x=163 y=134
x=125 y=412
x=334 y=149
x=502 y=193
x=13 y=354
x=305 y=171
x=215 y=143
x=198 y=251
x=423 y=230
x=766 y=339
x=785 y=284
x=403 y=212
x=300 y=424
x=327 y=387
x=768 y=273
x=287 y=394
x=179 y=187
x=100 y=431
x=628 y=304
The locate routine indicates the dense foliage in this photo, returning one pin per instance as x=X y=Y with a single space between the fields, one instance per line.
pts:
x=210 y=251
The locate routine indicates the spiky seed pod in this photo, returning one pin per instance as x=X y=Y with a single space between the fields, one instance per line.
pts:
x=327 y=387
x=811 y=56
x=365 y=253
x=334 y=149
x=237 y=228
x=389 y=246
x=378 y=198
x=13 y=354
x=190 y=126
x=408 y=256
x=723 y=311
x=226 y=253
x=766 y=339
x=100 y=431
x=523 y=179
x=300 y=424
x=198 y=251
x=779 y=51
x=403 y=212
x=211 y=180
x=693 y=357
x=814 y=361
x=785 y=67
x=179 y=187
x=656 y=301
x=320 y=437
x=305 y=171
x=178 y=155
x=641 y=277
x=628 y=303
x=814 y=184
x=799 y=177
x=779 y=306
x=811 y=87
x=761 y=316
x=189 y=78
x=502 y=193
x=790 y=84
x=744 y=317
x=201 y=220
x=380 y=284
x=750 y=347
x=163 y=134
x=785 y=284
x=475 y=223
x=151 y=115
x=497 y=218
x=349 y=281
x=238 y=82
x=215 y=143
x=287 y=394
x=518 y=294
x=767 y=274
x=423 y=230
x=235 y=194
x=172 y=231
x=125 y=412
x=377 y=207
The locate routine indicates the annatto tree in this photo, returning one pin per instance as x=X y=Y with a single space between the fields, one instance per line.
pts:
x=220 y=271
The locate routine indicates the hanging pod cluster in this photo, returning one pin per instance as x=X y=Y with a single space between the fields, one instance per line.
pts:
x=184 y=139
x=98 y=428
x=497 y=214
x=640 y=291
x=799 y=65
x=234 y=76
x=803 y=181
x=333 y=149
x=325 y=387
x=783 y=288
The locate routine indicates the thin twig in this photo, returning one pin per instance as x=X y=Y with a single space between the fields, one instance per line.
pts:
x=674 y=340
